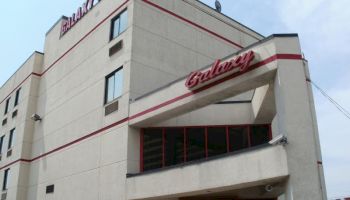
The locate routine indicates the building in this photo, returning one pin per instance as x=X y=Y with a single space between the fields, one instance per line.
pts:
x=160 y=99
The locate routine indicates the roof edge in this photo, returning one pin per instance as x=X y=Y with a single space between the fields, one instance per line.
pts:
x=61 y=18
x=31 y=55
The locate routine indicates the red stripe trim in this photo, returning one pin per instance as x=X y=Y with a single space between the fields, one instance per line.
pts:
x=104 y=20
x=81 y=139
x=19 y=85
x=193 y=23
x=259 y=64
x=271 y=59
x=68 y=51
x=85 y=36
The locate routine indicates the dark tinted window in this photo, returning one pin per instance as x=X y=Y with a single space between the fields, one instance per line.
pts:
x=171 y=146
x=17 y=97
x=238 y=138
x=50 y=189
x=216 y=141
x=1 y=143
x=5 y=180
x=259 y=135
x=195 y=143
x=153 y=149
x=174 y=146
x=12 y=134
x=7 y=106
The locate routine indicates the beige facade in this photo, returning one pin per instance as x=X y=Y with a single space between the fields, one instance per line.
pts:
x=85 y=146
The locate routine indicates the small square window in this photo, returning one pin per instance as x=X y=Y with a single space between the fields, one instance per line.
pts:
x=50 y=189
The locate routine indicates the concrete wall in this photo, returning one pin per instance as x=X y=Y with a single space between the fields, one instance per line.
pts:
x=167 y=47
x=287 y=113
x=22 y=123
x=240 y=171
x=87 y=155
x=71 y=103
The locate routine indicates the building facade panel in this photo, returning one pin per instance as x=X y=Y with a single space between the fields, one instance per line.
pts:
x=77 y=115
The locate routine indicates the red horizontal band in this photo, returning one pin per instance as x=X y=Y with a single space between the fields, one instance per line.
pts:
x=68 y=51
x=257 y=65
x=104 y=20
x=193 y=24
x=278 y=56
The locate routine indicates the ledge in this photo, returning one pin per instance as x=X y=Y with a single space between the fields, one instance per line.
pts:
x=228 y=172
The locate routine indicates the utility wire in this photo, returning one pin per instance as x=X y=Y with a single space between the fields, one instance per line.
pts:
x=337 y=105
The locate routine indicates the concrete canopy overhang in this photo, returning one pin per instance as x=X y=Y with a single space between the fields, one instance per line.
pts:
x=229 y=175
x=176 y=99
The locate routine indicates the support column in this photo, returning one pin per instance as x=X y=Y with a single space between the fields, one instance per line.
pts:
x=295 y=120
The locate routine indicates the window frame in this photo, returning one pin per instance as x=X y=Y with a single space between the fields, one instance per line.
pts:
x=2 y=139
x=17 y=97
x=111 y=34
x=106 y=102
x=10 y=141
x=185 y=132
x=7 y=106
x=5 y=179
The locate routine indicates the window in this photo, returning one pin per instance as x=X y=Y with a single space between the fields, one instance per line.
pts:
x=7 y=106
x=5 y=180
x=152 y=148
x=259 y=135
x=12 y=135
x=114 y=85
x=238 y=138
x=174 y=146
x=119 y=24
x=217 y=143
x=162 y=147
x=195 y=138
x=1 y=143
x=17 y=97
x=50 y=189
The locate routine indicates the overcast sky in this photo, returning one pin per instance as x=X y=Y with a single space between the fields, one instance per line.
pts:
x=323 y=27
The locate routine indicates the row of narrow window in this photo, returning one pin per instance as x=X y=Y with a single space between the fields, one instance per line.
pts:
x=163 y=147
x=7 y=104
x=10 y=141
x=114 y=82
